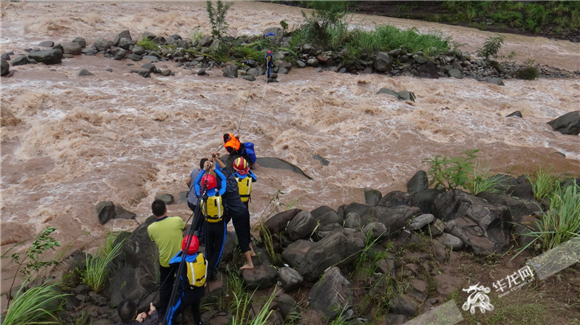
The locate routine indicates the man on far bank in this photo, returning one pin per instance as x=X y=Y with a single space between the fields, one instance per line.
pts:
x=167 y=233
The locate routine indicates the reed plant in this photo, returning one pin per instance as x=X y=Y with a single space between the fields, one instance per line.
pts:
x=244 y=303
x=268 y=243
x=96 y=274
x=38 y=305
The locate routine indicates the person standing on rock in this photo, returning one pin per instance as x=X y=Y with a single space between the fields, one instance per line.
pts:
x=269 y=64
x=246 y=178
x=237 y=212
x=166 y=232
x=192 y=199
x=212 y=208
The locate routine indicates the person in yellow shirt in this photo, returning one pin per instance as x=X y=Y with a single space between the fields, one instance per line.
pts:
x=167 y=234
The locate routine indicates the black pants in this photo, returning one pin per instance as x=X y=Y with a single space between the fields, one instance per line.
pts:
x=242 y=225
x=191 y=298
x=166 y=275
x=215 y=237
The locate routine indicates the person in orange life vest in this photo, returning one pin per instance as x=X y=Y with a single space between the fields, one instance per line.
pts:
x=206 y=187
x=245 y=178
x=237 y=212
x=235 y=147
x=191 y=281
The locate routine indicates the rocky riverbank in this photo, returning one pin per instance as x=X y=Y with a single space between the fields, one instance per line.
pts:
x=393 y=253
x=204 y=53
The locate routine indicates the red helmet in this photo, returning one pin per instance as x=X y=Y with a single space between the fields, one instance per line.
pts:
x=193 y=245
x=241 y=165
x=269 y=52
x=209 y=181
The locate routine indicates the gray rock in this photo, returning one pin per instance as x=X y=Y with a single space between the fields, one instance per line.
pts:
x=80 y=41
x=397 y=198
x=382 y=62
x=119 y=53
x=287 y=305
x=452 y=242
x=5 y=68
x=426 y=198
x=124 y=34
x=312 y=62
x=332 y=294
x=84 y=73
x=394 y=218
x=352 y=221
x=53 y=56
x=290 y=279
x=516 y=114
x=339 y=249
x=149 y=66
x=73 y=48
x=215 y=45
x=372 y=196
x=375 y=230
x=567 y=124
x=418 y=182
x=301 y=226
x=295 y=252
x=165 y=72
x=91 y=51
x=403 y=305
x=482 y=226
x=428 y=70
x=260 y=277
x=102 y=44
x=230 y=71
x=419 y=59
x=126 y=43
x=159 y=40
x=21 y=60
x=248 y=77
x=167 y=198
x=456 y=73
x=139 y=50
x=134 y=57
x=494 y=80
x=6 y=56
x=357 y=208
x=253 y=72
x=277 y=223
x=437 y=227
x=105 y=211
x=142 y=73
x=300 y=63
x=421 y=221
x=205 y=41
x=147 y=36
x=326 y=215
x=46 y=44
x=121 y=213
x=395 y=319
x=151 y=58
x=278 y=32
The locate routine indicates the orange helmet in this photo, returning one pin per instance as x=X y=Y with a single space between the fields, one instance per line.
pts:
x=241 y=166
x=209 y=181
x=193 y=245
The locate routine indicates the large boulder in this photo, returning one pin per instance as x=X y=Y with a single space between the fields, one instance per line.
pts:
x=277 y=223
x=277 y=31
x=482 y=226
x=567 y=124
x=230 y=71
x=295 y=252
x=397 y=198
x=325 y=215
x=372 y=196
x=260 y=277
x=382 y=62
x=290 y=279
x=124 y=34
x=517 y=208
x=428 y=70
x=52 y=56
x=394 y=218
x=301 y=226
x=5 y=68
x=81 y=41
x=332 y=294
x=73 y=48
x=20 y=60
x=102 y=44
x=105 y=211
x=426 y=198
x=357 y=208
x=418 y=182
x=340 y=248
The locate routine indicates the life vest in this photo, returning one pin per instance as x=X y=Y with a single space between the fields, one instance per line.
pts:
x=213 y=208
x=245 y=187
x=233 y=143
x=196 y=271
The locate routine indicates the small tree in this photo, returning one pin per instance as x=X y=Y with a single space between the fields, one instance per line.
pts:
x=491 y=46
x=217 y=17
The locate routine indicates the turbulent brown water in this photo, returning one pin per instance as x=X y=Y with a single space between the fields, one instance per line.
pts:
x=117 y=136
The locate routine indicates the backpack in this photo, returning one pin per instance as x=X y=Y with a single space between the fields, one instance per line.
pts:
x=213 y=208
x=196 y=271
x=245 y=188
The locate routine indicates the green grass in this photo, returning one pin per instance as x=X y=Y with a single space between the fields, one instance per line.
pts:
x=481 y=180
x=96 y=274
x=148 y=44
x=37 y=305
x=543 y=183
x=385 y=38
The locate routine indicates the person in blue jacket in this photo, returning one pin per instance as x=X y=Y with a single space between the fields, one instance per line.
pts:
x=269 y=63
x=212 y=207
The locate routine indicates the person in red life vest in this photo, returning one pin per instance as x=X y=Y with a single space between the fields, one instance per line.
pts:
x=235 y=147
x=245 y=178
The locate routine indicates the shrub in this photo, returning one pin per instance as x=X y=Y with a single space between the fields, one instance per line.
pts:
x=37 y=305
x=217 y=17
x=451 y=172
x=491 y=46
x=96 y=274
x=527 y=73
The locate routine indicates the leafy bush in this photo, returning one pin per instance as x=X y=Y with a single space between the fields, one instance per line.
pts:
x=527 y=73
x=217 y=17
x=325 y=26
x=451 y=172
x=96 y=274
x=37 y=305
x=491 y=46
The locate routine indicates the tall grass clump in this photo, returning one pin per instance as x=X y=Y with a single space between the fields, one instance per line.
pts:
x=96 y=273
x=385 y=38
x=543 y=183
x=482 y=181
x=148 y=44
x=37 y=305
x=325 y=26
